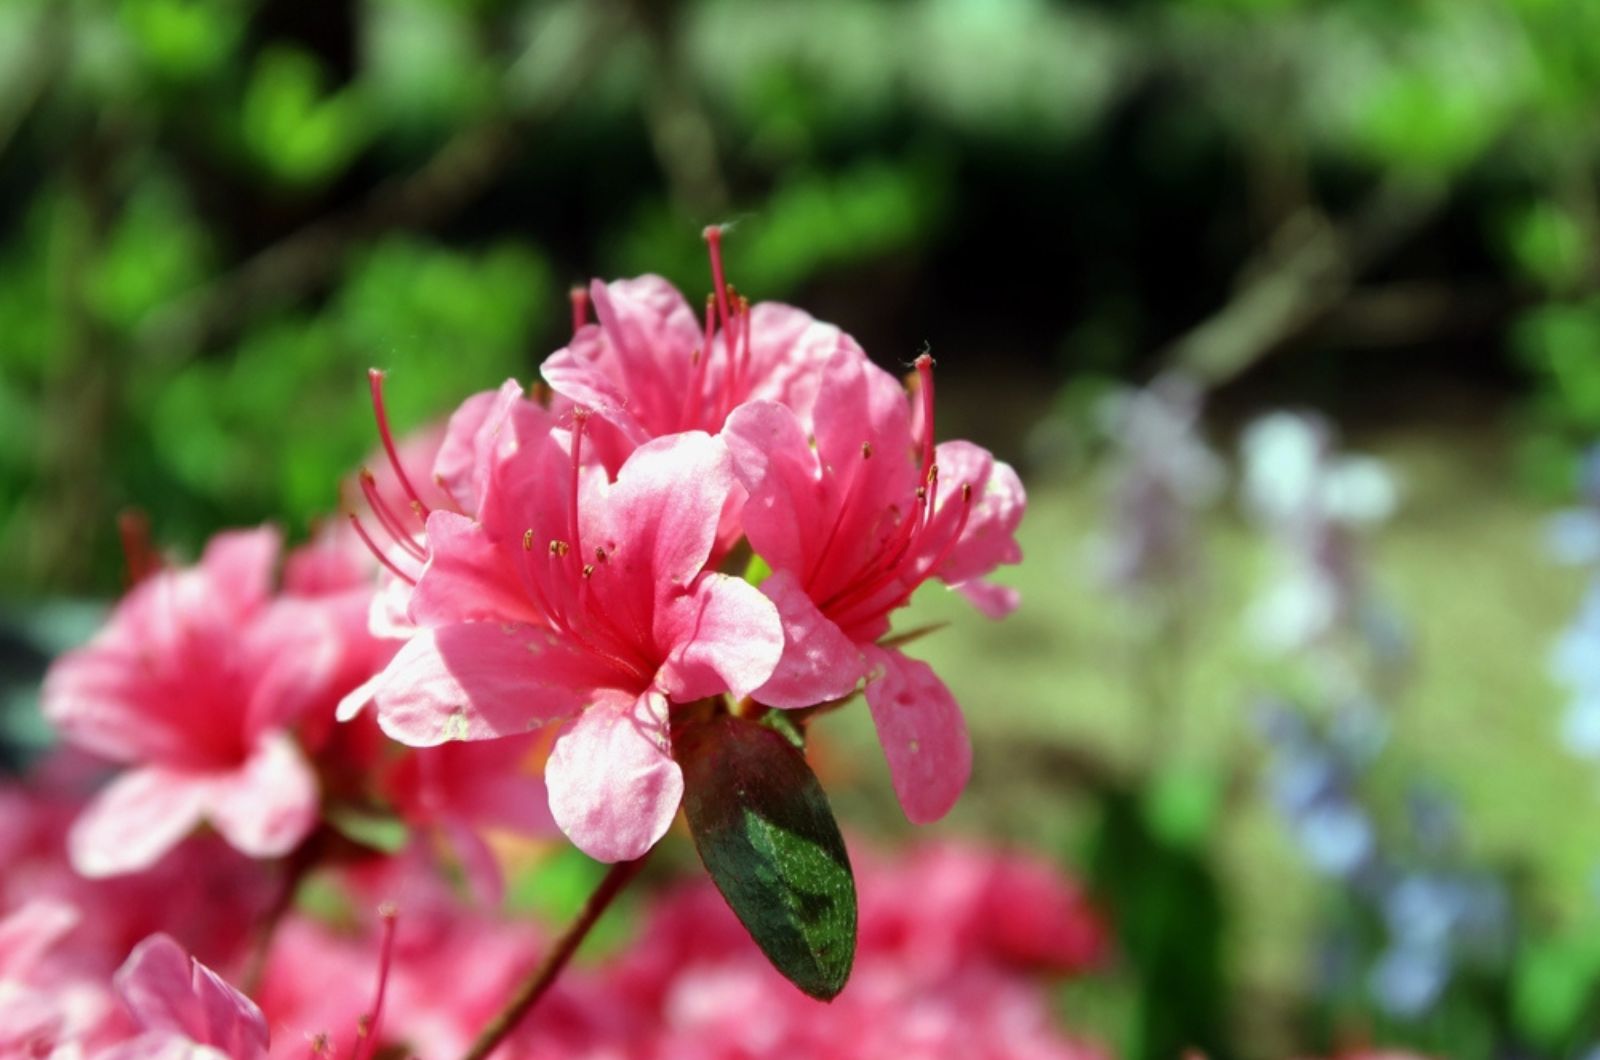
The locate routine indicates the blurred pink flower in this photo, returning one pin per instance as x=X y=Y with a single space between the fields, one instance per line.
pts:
x=195 y=682
x=576 y=600
x=48 y=999
x=852 y=517
x=183 y=1009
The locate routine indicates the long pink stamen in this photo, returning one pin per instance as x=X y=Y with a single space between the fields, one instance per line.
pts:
x=713 y=235
x=367 y=1031
x=386 y=517
x=916 y=577
x=924 y=366
x=382 y=557
x=580 y=307
x=580 y=419
x=375 y=379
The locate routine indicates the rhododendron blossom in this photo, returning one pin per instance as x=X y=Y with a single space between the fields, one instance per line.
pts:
x=195 y=682
x=650 y=368
x=573 y=599
x=852 y=517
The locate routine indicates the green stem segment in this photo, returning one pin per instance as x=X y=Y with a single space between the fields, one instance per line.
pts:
x=535 y=986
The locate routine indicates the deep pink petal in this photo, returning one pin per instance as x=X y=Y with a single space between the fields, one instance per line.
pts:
x=100 y=698
x=467 y=578
x=614 y=787
x=789 y=350
x=486 y=783
x=482 y=680
x=786 y=517
x=923 y=734
x=998 y=501
x=725 y=636
x=166 y=990
x=819 y=662
x=269 y=805
x=657 y=523
x=139 y=816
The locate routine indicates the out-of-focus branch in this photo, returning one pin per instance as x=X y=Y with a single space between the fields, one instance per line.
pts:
x=461 y=169
x=1308 y=268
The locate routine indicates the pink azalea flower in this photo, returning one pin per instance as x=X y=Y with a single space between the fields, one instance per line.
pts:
x=650 y=368
x=184 y=1009
x=852 y=516
x=48 y=1001
x=195 y=682
x=586 y=602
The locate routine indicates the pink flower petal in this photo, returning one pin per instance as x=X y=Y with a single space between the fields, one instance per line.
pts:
x=166 y=990
x=100 y=698
x=657 y=523
x=30 y=932
x=481 y=680
x=819 y=662
x=991 y=600
x=486 y=426
x=998 y=500
x=239 y=565
x=614 y=787
x=785 y=518
x=269 y=805
x=139 y=816
x=725 y=636
x=467 y=578
x=923 y=734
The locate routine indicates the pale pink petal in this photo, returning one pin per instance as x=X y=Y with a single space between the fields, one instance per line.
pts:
x=481 y=680
x=923 y=734
x=998 y=501
x=723 y=637
x=388 y=615
x=270 y=804
x=467 y=578
x=30 y=932
x=357 y=699
x=991 y=600
x=239 y=565
x=166 y=990
x=614 y=787
x=139 y=816
x=819 y=662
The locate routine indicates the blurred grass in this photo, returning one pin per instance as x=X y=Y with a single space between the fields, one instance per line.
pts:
x=1463 y=565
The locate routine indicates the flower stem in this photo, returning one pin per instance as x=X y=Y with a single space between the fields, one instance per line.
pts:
x=535 y=986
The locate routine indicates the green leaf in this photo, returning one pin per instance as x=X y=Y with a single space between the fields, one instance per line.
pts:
x=380 y=831
x=766 y=834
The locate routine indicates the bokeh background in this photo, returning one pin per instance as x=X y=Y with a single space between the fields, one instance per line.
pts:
x=216 y=214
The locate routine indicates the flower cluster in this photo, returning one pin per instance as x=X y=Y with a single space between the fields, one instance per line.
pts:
x=691 y=519
x=105 y=966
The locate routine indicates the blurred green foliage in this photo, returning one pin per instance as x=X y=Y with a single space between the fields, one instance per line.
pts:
x=216 y=212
